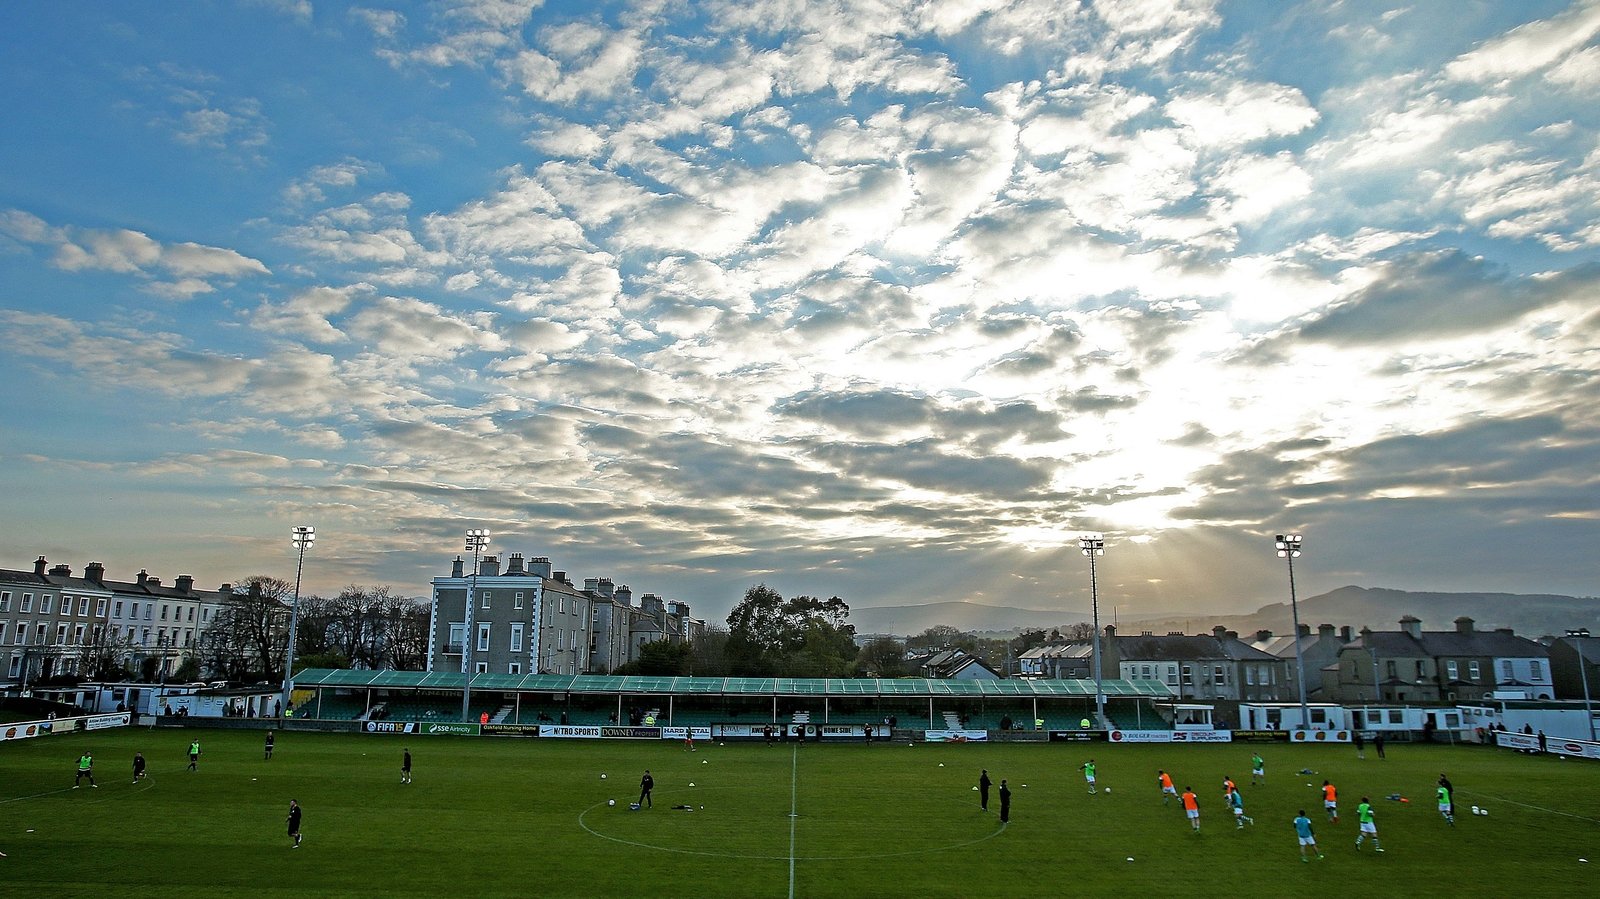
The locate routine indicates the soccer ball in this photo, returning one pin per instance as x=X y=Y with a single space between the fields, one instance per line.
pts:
x=1484 y=812
x=611 y=802
x=1108 y=789
x=1475 y=810
x=602 y=777
x=1130 y=858
x=691 y=783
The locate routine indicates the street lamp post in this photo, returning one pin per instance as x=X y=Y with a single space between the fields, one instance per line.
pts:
x=1289 y=549
x=477 y=539
x=1095 y=545
x=1583 y=669
x=302 y=537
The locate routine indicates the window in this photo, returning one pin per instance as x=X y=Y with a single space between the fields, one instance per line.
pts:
x=61 y=635
x=514 y=668
x=1505 y=669
x=16 y=665
x=1392 y=670
x=483 y=637
x=39 y=635
x=66 y=604
x=516 y=638
x=3 y=632
x=45 y=602
x=1472 y=670
x=164 y=611
x=1422 y=669
x=1188 y=675
x=1451 y=669
x=188 y=637
x=144 y=636
x=1172 y=676
x=1145 y=671
x=116 y=610
x=1536 y=669
x=77 y=634
x=1250 y=675
x=484 y=602
x=99 y=631
x=191 y=613
x=1219 y=675
x=27 y=602
x=458 y=632
x=161 y=636
x=205 y=615
x=517 y=604
x=83 y=606
x=100 y=609
x=481 y=667
x=150 y=611
x=22 y=634
x=1396 y=716
x=5 y=601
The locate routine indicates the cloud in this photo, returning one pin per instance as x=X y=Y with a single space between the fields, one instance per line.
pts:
x=195 y=267
x=1442 y=294
x=1529 y=47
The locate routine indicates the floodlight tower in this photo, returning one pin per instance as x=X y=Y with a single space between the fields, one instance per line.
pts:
x=302 y=537
x=477 y=539
x=1288 y=546
x=1095 y=545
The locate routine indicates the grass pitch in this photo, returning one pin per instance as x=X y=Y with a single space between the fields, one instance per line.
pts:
x=526 y=817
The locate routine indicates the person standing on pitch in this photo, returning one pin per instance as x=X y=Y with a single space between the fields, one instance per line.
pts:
x=1005 y=802
x=85 y=769
x=268 y=756
x=405 y=766
x=294 y=823
x=646 y=784
x=138 y=767
x=1368 y=825
x=983 y=789
x=1330 y=802
x=1088 y=774
x=194 y=755
x=1302 y=829
x=1361 y=744
x=1446 y=805
x=1191 y=807
x=1377 y=743
x=1258 y=769
x=1168 y=791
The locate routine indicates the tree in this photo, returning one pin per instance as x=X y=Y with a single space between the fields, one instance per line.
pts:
x=942 y=636
x=882 y=657
x=800 y=637
x=664 y=658
x=247 y=638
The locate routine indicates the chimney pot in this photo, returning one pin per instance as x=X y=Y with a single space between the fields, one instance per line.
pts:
x=1219 y=632
x=145 y=576
x=39 y=566
x=489 y=566
x=540 y=566
x=1324 y=631
x=1344 y=633
x=458 y=568
x=1305 y=630
x=184 y=583
x=94 y=571
x=62 y=570
x=1263 y=636
x=1464 y=625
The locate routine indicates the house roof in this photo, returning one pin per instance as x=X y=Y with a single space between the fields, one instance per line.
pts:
x=1433 y=644
x=1187 y=648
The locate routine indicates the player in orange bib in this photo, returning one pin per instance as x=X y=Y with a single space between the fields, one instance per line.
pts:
x=1191 y=807
x=1168 y=791
x=1330 y=801
x=1227 y=786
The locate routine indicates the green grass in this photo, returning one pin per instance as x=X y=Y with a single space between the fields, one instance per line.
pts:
x=520 y=817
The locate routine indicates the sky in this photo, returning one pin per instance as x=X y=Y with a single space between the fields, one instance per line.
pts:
x=878 y=299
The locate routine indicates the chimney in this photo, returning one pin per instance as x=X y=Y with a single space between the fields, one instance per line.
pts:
x=560 y=577
x=1344 y=634
x=458 y=568
x=624 y=595
x=1111 y=631
x=1509 y=632
x=1412 y=625
x=1305 y=630
x=1147 y=633
x=514 y=564
x=153 y=581
x=489 y=566
x=145 y=576
x=39 y=566
x=255 y=589
x=95 y=572
x=540 y=566
x=591 y=585
x=226 y=590
x=1233 y=635
x=61 y=571
x=607 y=589
x=184 y=583
x=1175 y=633
x=1219 y=632
x=650 y=604
x=1324 y=632
x=1463 y=625
x=1263 y=636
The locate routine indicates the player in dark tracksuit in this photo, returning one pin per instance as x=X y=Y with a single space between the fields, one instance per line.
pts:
x=983 y=789
x=646 y=784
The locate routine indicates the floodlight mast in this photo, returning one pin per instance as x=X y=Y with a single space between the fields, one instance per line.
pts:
x=301 y=537
x=477 y=539
x=1095 y=545
x=1289 y=548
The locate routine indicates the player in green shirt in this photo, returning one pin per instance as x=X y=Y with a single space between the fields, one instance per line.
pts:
x=1446 y=805
x=85 y=769
x=1368 y=826
x=1258 y=769
x=194 y=755
x=1088 y=773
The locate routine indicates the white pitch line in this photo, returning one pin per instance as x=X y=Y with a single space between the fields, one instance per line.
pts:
x=1539 y=808
x=794 y=786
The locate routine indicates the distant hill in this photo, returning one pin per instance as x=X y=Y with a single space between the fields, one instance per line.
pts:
x=966 y=616
x=1530 y=615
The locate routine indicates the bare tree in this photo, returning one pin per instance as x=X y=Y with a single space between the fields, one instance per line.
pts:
x=248 y=636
